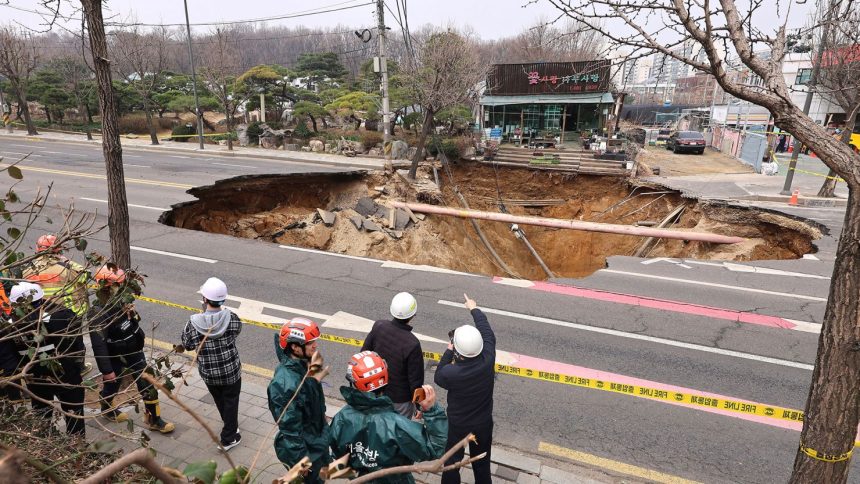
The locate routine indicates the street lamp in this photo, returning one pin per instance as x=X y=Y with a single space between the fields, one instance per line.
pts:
x=194 y=78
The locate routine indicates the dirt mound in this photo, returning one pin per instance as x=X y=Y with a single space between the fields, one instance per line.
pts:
x=283 y=209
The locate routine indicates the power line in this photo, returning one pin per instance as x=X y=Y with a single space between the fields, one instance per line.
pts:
x=241 y=39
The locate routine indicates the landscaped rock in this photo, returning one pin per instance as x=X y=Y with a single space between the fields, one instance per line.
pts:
x=306 y=148
x=270 y=142
x=329 y=147
x=410 y=153
x=242 y=134
x=399 y=150
x=317 y=146
x=375 y=152
x=291 y=147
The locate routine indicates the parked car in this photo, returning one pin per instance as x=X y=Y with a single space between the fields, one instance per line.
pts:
x=680 y=141
x=663 y=136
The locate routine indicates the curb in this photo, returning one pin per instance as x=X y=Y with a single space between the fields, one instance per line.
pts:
x=816 y=202
x=357 y=164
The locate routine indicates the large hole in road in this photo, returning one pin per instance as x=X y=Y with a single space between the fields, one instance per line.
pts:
x=283 y=209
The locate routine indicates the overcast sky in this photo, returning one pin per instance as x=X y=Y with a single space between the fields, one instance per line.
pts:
x=489 y=19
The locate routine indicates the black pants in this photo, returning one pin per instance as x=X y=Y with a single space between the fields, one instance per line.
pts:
x=227 y=400
x=480 y=468
x=66 y=386
x=133 y=365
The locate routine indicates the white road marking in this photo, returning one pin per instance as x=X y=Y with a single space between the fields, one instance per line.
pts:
x=335 y=254
x=713 y=284
x=130 y=204
x=126 y=155
x=173 y=254
x=666 y=259
x=21 y=154
x=805 y=326
x=351 y=322
x=236 y=166
x=179 y=156
x=640 y=337
x=53 y=152
x=810 y=257
x=390 y=264
x=756 y=269
x=139 y=166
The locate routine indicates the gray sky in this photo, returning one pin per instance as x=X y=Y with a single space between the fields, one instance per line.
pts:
x=489 y=19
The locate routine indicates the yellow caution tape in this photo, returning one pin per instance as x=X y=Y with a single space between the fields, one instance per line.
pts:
x=826 y=457
x=724 y=404
x=838 y=179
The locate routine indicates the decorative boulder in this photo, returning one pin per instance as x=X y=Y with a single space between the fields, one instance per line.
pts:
x=410 y=153
x=329 y=147
x=291 y=147
x=242 y=133
x=399 y=150
x=375 y=152
x=317 y=146
x=270 y=142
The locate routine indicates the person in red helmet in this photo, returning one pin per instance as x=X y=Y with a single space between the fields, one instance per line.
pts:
x=302 y=428
x=58 y=275
x=374 y=434
x=118 y=342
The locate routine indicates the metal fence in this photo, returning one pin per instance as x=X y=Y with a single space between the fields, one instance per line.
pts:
x=748 y=147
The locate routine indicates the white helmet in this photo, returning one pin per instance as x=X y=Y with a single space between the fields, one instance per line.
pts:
x=214 y=289
x=23 y=290
x=468 y=341
x=403 y=306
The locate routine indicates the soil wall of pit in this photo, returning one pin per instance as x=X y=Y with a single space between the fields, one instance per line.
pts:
x=283 y=209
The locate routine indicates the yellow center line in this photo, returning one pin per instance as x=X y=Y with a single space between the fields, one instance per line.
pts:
x=103 y=177
x=612 y=465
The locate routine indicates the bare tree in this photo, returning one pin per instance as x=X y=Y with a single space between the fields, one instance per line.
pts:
x=544 y=41
x=445 y=72
x=140 y=58
x=220 y=67
x=18 y=60
x=839 y=72
x=719 y=30
x=118 y=223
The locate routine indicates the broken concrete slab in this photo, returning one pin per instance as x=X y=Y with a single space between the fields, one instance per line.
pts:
x=401 y=219
x=381 y=189
x=357 y=221
x=411 y=215
x=382 y=212
x=371 y=226
x=326 y=217
x=366 y=206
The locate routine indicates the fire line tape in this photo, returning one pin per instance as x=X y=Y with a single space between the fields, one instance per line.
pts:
x=837 y=178
x=724 y=404
x=832 y=458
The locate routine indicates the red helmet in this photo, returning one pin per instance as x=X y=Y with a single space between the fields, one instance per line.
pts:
x=111 y=275
x=298 y=330
x=46 y=242
x=367 y=371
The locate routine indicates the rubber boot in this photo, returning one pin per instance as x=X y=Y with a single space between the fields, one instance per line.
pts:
x=152 y=417
x=113 y=414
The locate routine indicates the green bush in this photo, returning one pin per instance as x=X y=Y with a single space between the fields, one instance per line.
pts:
x=223 y=136
x=370 y=138
x=182 y=132
x=411 y=120
x=302 y=131
x=452 y=147
x=254 y=132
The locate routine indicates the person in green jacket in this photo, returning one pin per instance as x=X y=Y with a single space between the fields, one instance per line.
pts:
x=302 y=427
x=374 y=434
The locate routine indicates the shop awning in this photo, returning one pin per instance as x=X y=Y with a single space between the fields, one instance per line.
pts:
x=589 y=98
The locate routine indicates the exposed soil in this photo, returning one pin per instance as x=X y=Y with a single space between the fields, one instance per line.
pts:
x=282 y=209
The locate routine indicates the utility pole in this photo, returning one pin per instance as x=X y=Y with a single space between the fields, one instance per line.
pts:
x=194 y=78
x=807 y=104
x=383 y=69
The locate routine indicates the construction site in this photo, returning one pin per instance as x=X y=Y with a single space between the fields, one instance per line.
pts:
x=384 y=215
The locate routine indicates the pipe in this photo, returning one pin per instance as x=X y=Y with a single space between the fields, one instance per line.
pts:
x=574 y=224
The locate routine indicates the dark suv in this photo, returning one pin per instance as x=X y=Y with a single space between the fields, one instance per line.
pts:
x=680 y=141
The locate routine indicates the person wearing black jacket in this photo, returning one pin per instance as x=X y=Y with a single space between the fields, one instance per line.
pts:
x=467 y=371
x=118 y=342
x=394 y=342
x=63 y=344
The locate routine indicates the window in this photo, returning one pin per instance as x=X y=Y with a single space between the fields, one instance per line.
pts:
x=803 y=76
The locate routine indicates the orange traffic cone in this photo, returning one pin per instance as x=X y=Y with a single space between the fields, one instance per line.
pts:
x=790 y=149
x=793 y=200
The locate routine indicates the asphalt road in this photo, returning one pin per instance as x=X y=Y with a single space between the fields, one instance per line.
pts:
x=672 y=339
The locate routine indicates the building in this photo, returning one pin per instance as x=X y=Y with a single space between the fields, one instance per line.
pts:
x=547 y=98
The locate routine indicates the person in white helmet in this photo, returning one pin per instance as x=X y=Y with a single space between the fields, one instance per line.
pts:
x=394 y=342
x=467 y=371
x=212 y=334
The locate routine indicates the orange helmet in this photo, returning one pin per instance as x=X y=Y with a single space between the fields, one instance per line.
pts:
x=367 y=371
x=111 y=275
x=46 y=242
x=298 y=330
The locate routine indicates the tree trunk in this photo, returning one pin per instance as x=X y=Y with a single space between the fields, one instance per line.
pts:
x=25 y=111
x=89 y=113
x=153 y=136
x=829 y=186
x=422 y=138
x=229 y=121
x=48 y=115
x=87 y=128
x=313 y=123
x=117 y=201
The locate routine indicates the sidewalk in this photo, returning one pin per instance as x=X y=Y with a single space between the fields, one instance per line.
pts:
x=192 y=148
x=808 y=178
x=190 y=443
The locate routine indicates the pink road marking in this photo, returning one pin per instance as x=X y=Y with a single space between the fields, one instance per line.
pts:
x=539 y=364
x=660 y=304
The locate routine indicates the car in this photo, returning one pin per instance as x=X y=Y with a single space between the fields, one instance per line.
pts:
x=680 y=141
x=663 y=136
